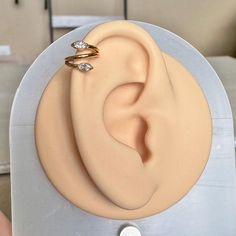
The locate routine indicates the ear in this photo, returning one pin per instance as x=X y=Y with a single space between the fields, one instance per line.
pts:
x=111 y=112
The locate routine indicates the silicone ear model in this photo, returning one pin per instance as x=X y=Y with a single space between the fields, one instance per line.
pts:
x=128 y=138
x=116 y=168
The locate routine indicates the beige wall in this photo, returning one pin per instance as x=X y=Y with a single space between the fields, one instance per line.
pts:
x=24 y=27
x=210 y=25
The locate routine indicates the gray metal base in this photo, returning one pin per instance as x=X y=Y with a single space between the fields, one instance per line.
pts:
x=209 y=209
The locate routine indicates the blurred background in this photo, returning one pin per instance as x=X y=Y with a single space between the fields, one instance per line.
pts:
x=27 y=27
x=209 y=25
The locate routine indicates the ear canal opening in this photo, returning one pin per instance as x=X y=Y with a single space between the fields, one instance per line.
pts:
x=141 y=146
x=123 y=122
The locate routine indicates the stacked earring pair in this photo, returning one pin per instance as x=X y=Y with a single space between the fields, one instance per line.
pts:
x=81 y=46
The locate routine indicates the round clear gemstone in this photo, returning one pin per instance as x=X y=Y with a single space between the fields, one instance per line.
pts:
x=84 y=67
x=79 y=44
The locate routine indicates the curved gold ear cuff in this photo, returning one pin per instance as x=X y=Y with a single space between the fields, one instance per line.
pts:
x=82 y=46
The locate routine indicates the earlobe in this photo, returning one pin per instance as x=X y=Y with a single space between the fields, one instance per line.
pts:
x=116 y=150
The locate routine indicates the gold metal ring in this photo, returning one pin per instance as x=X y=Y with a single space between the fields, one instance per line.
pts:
x=82 y=46
x=80 y=56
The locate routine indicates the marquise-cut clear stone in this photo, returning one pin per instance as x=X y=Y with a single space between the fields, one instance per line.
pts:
x=79 y=44
x=84 y=67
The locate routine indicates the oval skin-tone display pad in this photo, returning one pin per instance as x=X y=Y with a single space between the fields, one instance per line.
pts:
x=129 y=138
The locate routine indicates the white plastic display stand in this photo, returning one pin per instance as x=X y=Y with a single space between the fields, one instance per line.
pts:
x=38 y=209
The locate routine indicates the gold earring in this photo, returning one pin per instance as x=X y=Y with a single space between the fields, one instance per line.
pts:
x=81 y=46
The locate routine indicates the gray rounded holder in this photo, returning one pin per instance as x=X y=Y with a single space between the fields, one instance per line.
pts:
x=38 y=209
